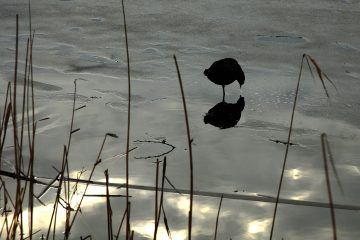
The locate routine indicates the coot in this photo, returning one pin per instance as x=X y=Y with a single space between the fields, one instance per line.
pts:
x=225 y=72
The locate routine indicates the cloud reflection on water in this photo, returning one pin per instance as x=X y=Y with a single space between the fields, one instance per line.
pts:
x=295 y=173
x=42 y=214
x=258 y=226
x=146 y=229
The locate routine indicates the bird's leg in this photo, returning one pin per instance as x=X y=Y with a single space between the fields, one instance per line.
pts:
x=223 y=87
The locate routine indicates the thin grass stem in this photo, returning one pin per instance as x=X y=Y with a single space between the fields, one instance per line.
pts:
x=97 y=161
x=217 y=217
x=156 y=195
x=128 y=122
x=190 y=149
x=121 y=223
x=108 y=207
x=287 y=149
x=325 y=151
x=161 y=199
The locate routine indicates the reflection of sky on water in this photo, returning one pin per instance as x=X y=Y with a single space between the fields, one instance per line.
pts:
x=78 y=39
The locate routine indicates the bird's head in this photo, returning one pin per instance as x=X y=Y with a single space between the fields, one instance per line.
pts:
x=206 y=72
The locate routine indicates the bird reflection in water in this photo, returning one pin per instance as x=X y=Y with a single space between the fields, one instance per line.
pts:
x=225 y=115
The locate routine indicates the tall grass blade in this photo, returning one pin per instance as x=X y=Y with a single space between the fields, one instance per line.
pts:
x=190 y=149
x=331 y=158
x=32 y=143
x=310 y=69
x=97 y=161
x=325 y=151
x=287 y=149
x=7 y=99
x=156 y=196
x=4 y=127
x=108 y=207
x=217 y=217
x=161 y=199
x=57 y=198
x=121 y=223
x=18 y=203
x=24 y=95
x=320 y=75
x=128 y=121
x=172 y=185
x=166 y=223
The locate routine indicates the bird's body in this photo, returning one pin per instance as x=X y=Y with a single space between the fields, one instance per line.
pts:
x=225 y=72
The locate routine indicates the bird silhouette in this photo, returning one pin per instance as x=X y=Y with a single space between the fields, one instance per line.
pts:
x=225 y=115
x=224 y=72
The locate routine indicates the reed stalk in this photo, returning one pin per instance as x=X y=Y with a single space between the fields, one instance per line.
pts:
x=156 y=196
x=128 y=122
x=217 y=217
x=161 y=199
x=322 y=76
x=190 y=149
x=108 y=206
x=326 y=153
x=97 y=161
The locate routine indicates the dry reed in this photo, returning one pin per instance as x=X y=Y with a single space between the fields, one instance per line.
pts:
x=321 y=76
x=128 y=122
x=326 y=152
x=108 y=206
x=190 y=149
x=217 y=217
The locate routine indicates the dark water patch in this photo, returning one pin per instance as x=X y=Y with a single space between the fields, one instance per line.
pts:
x=152 y=52
x=158 y=99
x=84 y=62
x=120 y=106
x=75 y=29
x=280 y=39
x=46 y=87
x=84 y=56
x=161 y=44
x=9 y=40
x=8 y=71
x=105 y=91
x=82 y=69
x=97 y=19
x=282 y=142
x=90 y=64
x=62 y=50
x=197 y=50
x=346 y=47
x=80 y=60
x=66 y=97
x=134 y=97
x=270 y=127
x=95 y=97
x=39 y=85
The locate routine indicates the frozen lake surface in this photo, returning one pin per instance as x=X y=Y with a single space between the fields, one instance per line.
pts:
x=84 y=40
